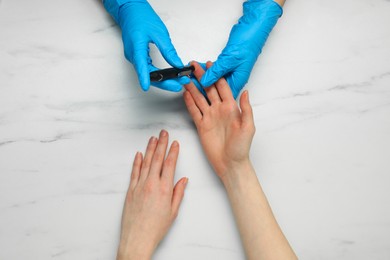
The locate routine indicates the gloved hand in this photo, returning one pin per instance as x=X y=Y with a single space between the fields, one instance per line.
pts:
x=140 y=26
x=246 y=40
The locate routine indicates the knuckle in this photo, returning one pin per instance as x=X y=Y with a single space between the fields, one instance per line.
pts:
x=206 y=120
x=148 y=187
x=249 y=128
x=133 y=177
x=137 y=191
x=165 y=189
x=171 y=52
x=169 y=162
x=236 y=125
x=146 y=166
x=229 y=108
x=175 y=213
x=129 y=196
x=158 y=156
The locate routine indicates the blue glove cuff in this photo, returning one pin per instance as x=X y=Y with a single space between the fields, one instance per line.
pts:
x=262 y=10
x=259 y=17
x=265 y=5
x=113 y=6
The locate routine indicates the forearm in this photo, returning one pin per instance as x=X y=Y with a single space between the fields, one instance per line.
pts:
x=260 y=233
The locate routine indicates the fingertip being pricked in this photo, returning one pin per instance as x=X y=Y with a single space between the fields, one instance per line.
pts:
x=198 y=72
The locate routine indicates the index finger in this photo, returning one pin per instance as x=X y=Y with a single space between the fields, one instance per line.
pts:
x=141 y=66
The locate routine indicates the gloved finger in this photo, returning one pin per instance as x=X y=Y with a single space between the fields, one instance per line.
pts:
x=222 y=66
x=170 y=85
x=141 y=63
x=184 y=80
x=167 y=50
x=237 y=81
x=199 y=87
x=222 y=86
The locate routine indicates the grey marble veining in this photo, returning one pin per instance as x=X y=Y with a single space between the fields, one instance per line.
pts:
x=72 y=117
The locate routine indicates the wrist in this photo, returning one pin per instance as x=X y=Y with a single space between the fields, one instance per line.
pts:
x=134 y=250
x=113 y=7
x=237 y=172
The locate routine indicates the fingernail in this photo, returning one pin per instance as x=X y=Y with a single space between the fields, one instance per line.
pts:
x=175 y=144
x=152 y=139
x=185 y=182
x=163 y=133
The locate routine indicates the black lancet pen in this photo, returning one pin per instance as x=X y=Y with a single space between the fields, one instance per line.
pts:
x=171 y=73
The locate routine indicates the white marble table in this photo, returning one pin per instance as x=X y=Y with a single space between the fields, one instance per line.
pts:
x=72 y=116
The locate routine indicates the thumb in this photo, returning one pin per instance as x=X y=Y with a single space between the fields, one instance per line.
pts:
x=246 y=108
x=178 y=194
x=141 y=63
x=222 y=66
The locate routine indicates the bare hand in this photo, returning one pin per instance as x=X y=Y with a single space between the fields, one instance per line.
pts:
x=225 y=132
x=152 y=201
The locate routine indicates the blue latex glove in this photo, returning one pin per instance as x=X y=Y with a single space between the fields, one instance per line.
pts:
x=140 y=26
x=246 y=40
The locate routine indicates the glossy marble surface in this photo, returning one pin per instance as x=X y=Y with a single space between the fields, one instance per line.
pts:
x=72 y=117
